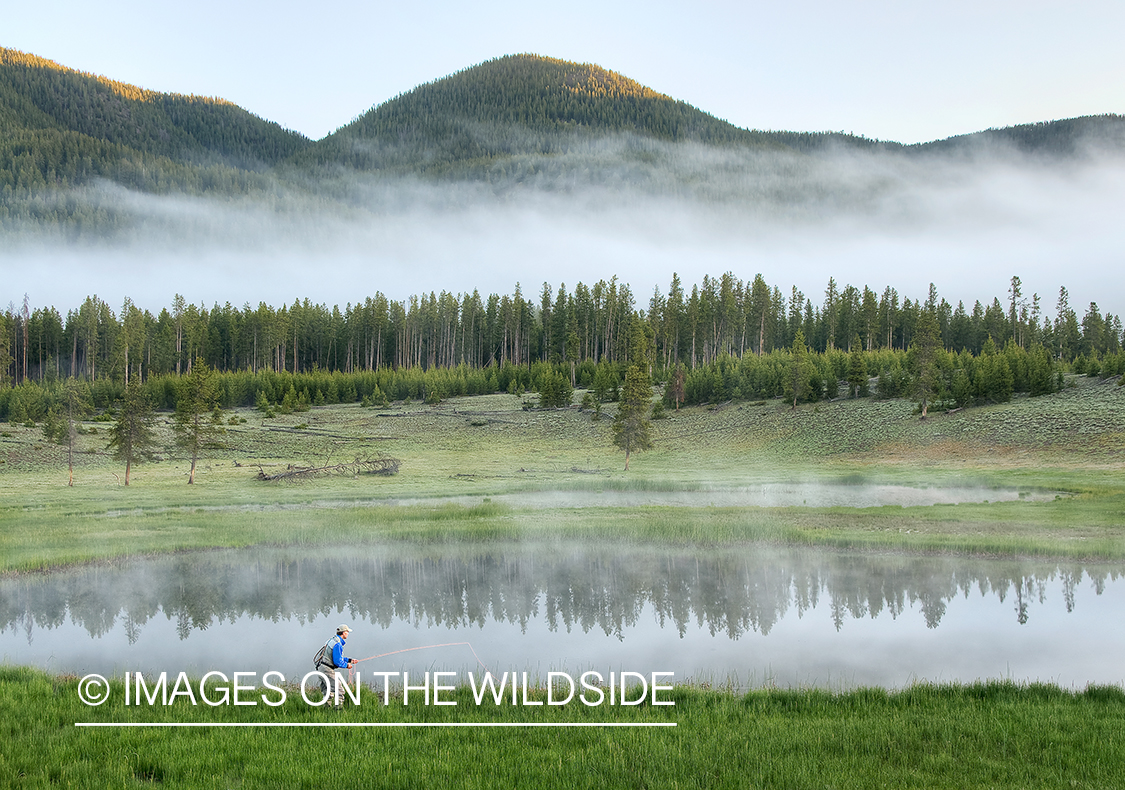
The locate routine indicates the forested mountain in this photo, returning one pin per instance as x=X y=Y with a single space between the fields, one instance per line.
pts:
x=38 y=95
x=60 y=128
x=519 y=104
x=517 y=122
x=1050 y=138
x=521 y=121
x=1063 y=138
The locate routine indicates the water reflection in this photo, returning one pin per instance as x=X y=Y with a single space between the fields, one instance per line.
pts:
x=611 y=592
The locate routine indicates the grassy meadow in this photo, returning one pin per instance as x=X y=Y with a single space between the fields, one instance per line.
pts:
x=471 y=466
x=487 y=468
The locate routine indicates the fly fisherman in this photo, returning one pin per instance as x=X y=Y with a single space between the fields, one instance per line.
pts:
x=330 y=659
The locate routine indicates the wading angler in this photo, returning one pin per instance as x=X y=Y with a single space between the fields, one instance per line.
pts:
x=330 y=660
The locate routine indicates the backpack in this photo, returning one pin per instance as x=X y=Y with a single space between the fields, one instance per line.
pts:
x=322 y=654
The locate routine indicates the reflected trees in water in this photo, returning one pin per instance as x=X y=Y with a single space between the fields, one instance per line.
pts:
x=725 y=591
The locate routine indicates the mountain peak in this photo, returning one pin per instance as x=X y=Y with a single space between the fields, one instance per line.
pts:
x=513 y=105
x=579 y=79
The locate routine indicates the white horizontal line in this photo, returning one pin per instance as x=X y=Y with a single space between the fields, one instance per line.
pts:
x=365 y=724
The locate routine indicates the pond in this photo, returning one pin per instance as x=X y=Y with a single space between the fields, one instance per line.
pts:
x=747 y=616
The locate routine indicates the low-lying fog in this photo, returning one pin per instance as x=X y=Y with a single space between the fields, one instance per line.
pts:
x=638 y=209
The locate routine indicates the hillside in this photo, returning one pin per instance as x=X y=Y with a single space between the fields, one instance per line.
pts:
x=514 y=120
x=516 y=105
x=40 y=95
x=1059 y=139
x=60 y=127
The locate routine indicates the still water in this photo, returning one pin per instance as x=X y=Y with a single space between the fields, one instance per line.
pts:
x=749 y=616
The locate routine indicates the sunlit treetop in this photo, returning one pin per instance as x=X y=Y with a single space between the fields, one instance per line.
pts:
x=12 y=57
x=67 y=124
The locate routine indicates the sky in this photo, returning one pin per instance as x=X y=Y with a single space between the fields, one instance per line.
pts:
x=899 y=71
x=905 y=71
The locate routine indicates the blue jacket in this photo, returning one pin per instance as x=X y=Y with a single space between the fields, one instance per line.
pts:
x=336 y=645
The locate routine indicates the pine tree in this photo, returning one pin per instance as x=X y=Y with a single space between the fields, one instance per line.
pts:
x=994 y=380
x=132 y=436
x=797 y=381
x=925 y=348
x=62 y=431
x=962 y=388
x=1041 y=378
x=631 y=425
x=198 y=420
x=857 y=369
x=555 y=391
x=674 y=389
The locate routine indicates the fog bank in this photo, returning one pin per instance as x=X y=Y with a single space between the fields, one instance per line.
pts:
x=634 y=208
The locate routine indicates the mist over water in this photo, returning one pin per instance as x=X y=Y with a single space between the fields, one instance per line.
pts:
x=635 y=208
x=796 y=494
x=765 y=495
x=753 y=614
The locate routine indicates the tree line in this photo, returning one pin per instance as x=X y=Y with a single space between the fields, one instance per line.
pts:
x=719 y=318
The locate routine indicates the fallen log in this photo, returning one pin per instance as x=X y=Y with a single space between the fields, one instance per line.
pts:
x=384 y=465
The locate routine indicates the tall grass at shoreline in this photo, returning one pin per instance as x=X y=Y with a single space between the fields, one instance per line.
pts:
x=995 y=734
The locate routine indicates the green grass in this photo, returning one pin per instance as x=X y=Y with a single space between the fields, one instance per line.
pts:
x=981 y=735
x=1074 y=527
x=1069 y=443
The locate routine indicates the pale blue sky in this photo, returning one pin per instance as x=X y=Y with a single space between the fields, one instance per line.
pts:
x=896 y=70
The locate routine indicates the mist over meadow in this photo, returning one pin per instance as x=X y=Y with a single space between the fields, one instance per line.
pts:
x=621 y=205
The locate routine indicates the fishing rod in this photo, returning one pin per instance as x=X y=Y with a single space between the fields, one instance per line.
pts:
x=429 y=647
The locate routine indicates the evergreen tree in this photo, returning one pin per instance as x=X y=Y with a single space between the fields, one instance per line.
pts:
x=54 y=429
x=263 y=405
x=962 y=388
x=857 y=370
x=631 y=425
x=77 y=396
x=994 y=380
x=925 y=348
x=1041 y=375
x=555 y=391
x=198 y=420
x=572 y=351
x=605 y=383
x=132 y=436
x=1066 y=328
x=797 y=384
x=674 y=389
